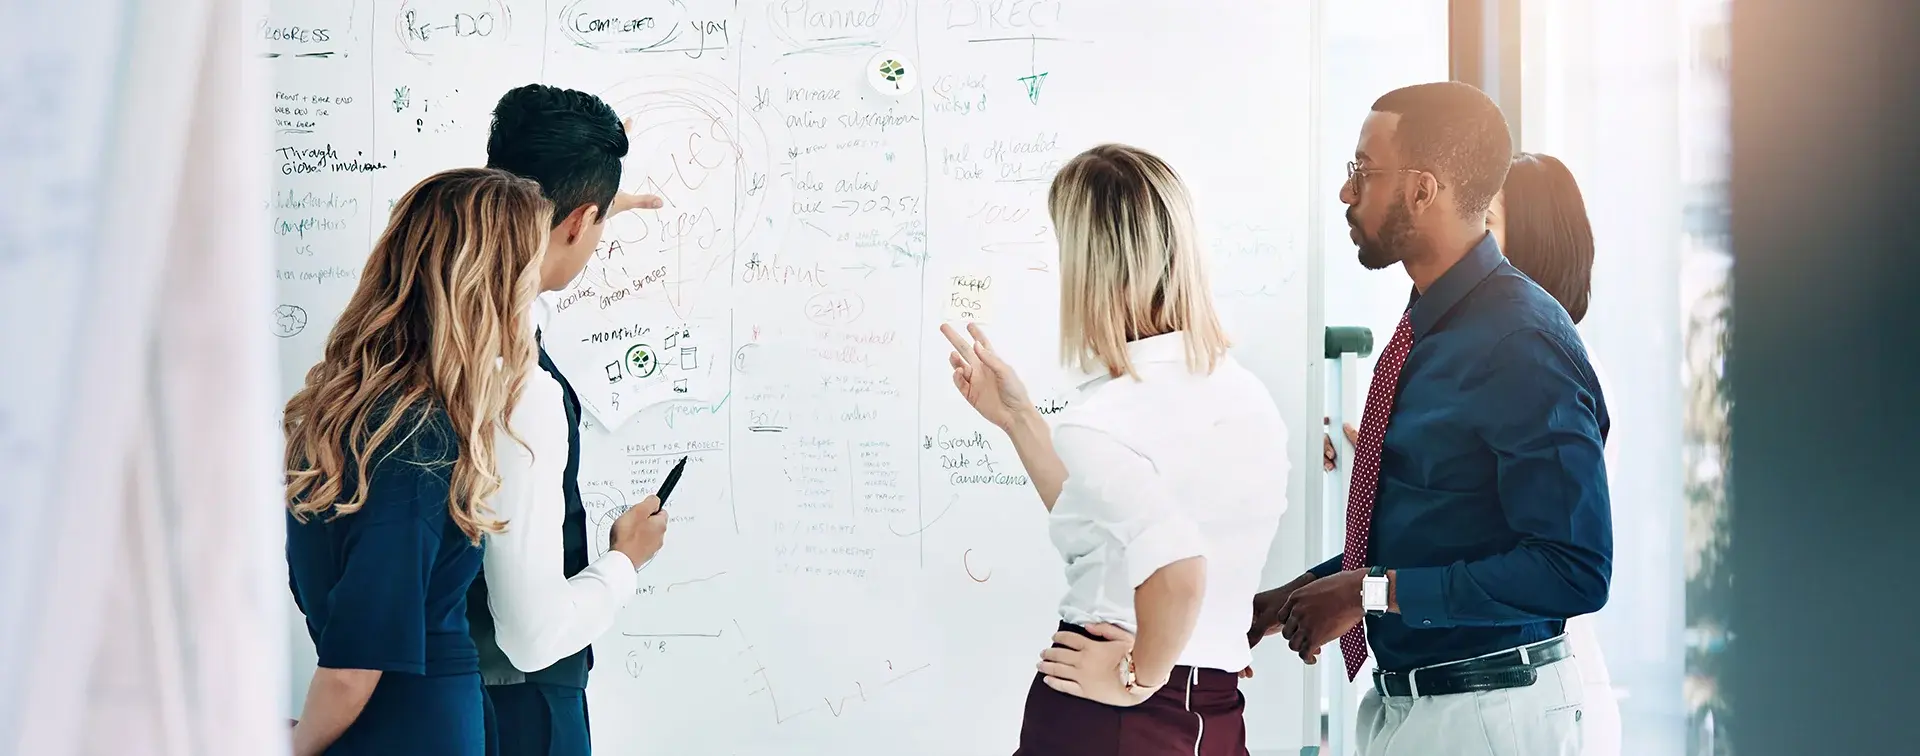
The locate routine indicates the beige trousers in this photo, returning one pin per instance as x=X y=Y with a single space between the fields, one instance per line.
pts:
x=1543 y=719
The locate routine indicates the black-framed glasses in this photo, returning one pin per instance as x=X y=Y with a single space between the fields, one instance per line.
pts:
x=1356 y=175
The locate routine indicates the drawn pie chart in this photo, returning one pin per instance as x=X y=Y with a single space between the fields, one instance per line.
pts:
x=603 y=507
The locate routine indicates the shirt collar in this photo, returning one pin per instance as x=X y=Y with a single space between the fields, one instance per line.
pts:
x=1166 y=347
x=1453 y=286
x=539 y=317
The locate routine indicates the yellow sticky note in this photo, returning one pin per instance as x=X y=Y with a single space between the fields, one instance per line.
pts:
x=970 y=298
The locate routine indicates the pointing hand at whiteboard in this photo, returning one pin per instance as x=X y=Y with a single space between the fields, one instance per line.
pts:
x=624 y=201
x=988 y=383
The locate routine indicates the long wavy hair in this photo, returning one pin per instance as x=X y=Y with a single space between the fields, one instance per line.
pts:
x=438 y=322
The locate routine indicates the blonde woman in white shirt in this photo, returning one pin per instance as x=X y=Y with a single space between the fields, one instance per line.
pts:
x=1164 y=478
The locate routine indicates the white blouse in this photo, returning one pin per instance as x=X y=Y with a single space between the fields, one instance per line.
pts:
x=1170 y=466
x=539 y=615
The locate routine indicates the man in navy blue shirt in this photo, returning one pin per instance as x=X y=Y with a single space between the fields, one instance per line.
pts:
x=1490 y=523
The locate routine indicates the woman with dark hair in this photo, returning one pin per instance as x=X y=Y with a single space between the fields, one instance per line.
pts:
x=1540 y=222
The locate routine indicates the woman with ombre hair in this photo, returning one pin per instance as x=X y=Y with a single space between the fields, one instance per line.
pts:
x=1164 y=479
x=390 y=449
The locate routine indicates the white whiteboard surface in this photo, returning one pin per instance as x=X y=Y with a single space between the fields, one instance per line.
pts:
x=855 y=564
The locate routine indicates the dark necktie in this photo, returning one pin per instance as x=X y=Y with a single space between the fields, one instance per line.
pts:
x=1364 y=486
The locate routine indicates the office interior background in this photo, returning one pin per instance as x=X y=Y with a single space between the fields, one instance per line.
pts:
x=1638 y=98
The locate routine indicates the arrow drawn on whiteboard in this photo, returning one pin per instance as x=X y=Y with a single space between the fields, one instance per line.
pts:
x=809 y=224
x=1016 y=249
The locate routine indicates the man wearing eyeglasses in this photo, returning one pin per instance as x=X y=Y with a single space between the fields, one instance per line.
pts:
x=1477 y=518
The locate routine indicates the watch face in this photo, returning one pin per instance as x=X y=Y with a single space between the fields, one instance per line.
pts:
x=1373 y=594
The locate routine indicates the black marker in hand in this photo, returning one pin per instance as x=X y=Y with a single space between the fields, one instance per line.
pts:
x=666 y=486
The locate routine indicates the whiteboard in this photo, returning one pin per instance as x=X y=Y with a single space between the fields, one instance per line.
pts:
x=855 y=562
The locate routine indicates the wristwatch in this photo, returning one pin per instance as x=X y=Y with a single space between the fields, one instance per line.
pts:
x=1373 y=591
x=1129 y=679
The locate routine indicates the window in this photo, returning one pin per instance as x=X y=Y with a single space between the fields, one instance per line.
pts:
x=1615 y=89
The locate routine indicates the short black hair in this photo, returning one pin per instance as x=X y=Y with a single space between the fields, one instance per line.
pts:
x=569 y=141
x=1455 y=132
x=1549 y=237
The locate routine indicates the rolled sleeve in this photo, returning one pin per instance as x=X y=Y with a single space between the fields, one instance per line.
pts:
x=377 y=610
x=1118 y=490
x=1161 y=543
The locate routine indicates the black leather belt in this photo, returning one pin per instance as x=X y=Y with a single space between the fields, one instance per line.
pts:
x=1518 y=668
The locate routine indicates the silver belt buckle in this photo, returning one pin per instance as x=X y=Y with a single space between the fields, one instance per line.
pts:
x=1380 y=683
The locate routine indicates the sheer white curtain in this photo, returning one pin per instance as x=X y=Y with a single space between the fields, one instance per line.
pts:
x=137 y=448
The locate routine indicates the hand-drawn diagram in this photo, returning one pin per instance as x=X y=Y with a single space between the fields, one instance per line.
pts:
x=622 y=370
x=1033 y=17
x=289 y=320
x=641 y=362
x=836 y=706
x=693 y=147
x=1035 y=77
x=604 y=504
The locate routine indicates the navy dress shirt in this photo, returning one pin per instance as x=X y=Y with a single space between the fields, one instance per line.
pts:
x=1492 y=508
x=386 y=588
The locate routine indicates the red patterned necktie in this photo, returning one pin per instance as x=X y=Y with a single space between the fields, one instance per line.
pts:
x=1365 y=483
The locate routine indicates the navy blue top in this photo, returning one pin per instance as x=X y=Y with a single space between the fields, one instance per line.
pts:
x=385 y=588
x=1492 y=506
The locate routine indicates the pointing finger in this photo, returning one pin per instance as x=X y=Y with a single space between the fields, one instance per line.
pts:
x=960 y=346
x=973 y=329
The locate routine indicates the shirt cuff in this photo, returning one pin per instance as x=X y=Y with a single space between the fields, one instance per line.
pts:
x=1421 y=594
x=1164 y=543
x=623 y=579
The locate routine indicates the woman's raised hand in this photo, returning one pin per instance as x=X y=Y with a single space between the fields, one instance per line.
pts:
x=987 y=382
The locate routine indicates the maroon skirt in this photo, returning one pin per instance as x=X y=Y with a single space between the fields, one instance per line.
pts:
x=1196 y=712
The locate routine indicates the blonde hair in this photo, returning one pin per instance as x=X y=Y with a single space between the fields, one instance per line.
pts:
x=1130 y=261
x=438 y=322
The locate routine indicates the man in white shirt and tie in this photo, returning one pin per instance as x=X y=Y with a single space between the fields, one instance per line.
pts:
x=540 y=600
